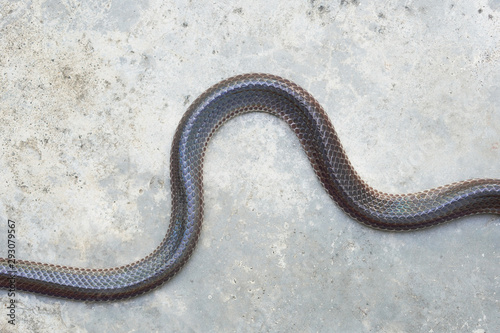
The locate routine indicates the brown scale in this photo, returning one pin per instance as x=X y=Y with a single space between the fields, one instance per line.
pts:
x=307 y=119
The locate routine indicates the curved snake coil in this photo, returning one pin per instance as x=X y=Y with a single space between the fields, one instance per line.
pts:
x=304 y=115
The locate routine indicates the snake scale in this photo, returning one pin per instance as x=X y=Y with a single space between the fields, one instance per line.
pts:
x=225 y=100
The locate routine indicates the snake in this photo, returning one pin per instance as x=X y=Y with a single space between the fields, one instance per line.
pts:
x=307 y=119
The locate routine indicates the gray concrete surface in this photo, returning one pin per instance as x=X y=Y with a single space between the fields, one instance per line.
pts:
x=91 y=94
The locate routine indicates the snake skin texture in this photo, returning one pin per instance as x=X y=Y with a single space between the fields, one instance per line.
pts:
x=228 y=99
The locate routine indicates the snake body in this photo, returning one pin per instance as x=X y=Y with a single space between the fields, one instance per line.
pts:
x=228 y=99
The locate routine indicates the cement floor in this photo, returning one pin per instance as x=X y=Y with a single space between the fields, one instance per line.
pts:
x=92 y=92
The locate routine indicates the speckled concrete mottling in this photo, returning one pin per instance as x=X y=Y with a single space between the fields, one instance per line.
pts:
x=91 y=94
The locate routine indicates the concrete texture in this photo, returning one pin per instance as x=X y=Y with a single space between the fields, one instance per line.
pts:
x=91 y=94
